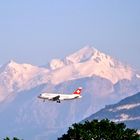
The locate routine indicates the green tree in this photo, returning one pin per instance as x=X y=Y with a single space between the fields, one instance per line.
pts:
x=100 y=130
x=7 y=138
x=14 y=138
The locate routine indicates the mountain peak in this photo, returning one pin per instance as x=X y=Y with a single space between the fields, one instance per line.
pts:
x=87 y=49
x=56 y=63
x=8 y=65
x=13 y=67
x=11 y=63
x=82 y=55
x=89 y=61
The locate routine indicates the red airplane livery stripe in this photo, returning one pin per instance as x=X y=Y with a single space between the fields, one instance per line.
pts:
x=78 y=91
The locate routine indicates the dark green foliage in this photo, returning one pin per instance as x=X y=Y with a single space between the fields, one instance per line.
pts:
x=14 y=138
x=100 y=130
x=6 y=138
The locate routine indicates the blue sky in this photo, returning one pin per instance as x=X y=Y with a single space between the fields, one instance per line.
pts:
x=35 y=31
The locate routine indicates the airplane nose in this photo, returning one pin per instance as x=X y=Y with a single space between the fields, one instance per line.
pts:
x=39 y=96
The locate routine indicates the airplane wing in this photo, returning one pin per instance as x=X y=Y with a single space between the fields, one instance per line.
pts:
x=56 y=98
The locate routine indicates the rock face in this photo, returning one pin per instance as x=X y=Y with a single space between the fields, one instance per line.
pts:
x=127 y=111
x=104 y=80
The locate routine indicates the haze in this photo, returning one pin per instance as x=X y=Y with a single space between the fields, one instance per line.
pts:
x=37 y=31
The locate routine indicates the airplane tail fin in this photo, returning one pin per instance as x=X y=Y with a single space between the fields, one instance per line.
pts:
x=78 y=91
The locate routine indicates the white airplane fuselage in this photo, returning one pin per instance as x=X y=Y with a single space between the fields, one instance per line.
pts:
x=58 y=97
x=49 y=96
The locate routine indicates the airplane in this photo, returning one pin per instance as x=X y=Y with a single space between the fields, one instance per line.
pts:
x=58 y=97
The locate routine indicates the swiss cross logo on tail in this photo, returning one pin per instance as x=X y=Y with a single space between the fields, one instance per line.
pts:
x=78 y=91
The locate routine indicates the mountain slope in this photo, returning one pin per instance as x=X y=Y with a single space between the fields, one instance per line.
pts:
x=87 y=62
x=103 y=78
x=127 y=111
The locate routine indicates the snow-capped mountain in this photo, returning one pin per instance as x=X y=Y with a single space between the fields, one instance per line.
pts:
x=16 y=77
x=104 y=80
x=86 y=63
x=127 y=111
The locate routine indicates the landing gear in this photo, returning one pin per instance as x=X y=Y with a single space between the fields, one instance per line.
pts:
x=58 y=101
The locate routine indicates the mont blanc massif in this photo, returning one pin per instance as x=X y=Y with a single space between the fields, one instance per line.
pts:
x=106 y=84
